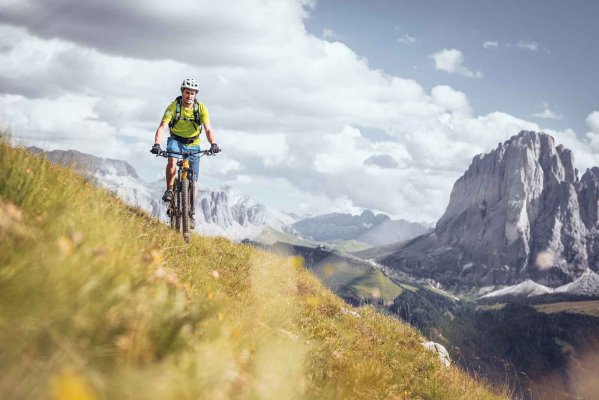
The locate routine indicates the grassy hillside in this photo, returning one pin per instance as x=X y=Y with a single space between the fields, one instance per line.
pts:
x=355 y=280
x=589 y=307
x=100 y=301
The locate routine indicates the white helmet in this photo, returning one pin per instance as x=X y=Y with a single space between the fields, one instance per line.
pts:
x=190 y=83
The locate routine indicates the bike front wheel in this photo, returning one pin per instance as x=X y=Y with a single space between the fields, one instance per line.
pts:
x=185 y=209
x=174 y=210
x=171 y=213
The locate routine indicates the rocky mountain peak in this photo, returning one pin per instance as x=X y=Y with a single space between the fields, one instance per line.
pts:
x=588 y=194
x=86 y=162
x=518 y=212
x=368 y=215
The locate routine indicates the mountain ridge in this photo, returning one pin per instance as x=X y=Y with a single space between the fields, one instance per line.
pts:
x=219 y=212
x=513 y=215
x=225 y=211
x=368 y=227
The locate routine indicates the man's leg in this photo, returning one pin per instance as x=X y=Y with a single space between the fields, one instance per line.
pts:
x=171 y=172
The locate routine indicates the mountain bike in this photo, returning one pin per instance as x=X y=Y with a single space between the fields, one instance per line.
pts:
x=181 y=208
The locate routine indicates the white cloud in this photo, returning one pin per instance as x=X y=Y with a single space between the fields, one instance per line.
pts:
x=406 y=39
x=547 y=113
x=275 y=152
x=451 y=60
x=490 y=44
x=452 y=100
x=382 y=161
x=286 y=106
x=329 y=34
x=342 y=151
x=521 y=44
x=592 y=121
x=528 y=45
x=66 y=121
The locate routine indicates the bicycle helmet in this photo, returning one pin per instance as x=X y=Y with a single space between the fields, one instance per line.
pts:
x=190 y=83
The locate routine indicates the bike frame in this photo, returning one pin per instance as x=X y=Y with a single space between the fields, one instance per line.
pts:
x=182 y=206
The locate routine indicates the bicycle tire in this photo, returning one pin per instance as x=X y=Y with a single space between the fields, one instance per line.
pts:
x=185 y=209
x=178 y=206
x=170 y=213
x=171 y=216
x=174 y=213
x=191 y=203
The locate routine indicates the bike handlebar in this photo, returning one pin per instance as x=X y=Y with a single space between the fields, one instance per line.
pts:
x=166 y=153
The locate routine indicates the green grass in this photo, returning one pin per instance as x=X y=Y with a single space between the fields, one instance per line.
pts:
x=374 y=285
x=348 y=246
x=408 y=287
x=364 y=281
x=491 y=307
x=442 y=293
x=99 y=300
x=589 y=307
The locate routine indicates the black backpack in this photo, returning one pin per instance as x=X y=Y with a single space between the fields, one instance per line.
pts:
x=197 y=116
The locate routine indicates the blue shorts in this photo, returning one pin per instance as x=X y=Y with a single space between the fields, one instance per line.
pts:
x=194 y=161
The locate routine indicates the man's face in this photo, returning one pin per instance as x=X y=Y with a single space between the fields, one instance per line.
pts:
x=188 y=95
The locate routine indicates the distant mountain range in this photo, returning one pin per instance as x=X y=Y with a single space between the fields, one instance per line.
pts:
x=586 y=285
x=229 y=213
x=223 y=211
x=376 y=230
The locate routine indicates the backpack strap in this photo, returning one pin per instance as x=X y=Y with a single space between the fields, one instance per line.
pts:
x=177 y=117
x=197 y=115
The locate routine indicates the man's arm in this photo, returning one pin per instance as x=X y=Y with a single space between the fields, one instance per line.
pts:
x=161 y=127
x=209 y=133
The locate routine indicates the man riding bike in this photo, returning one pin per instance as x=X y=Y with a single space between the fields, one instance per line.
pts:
x=184 y=117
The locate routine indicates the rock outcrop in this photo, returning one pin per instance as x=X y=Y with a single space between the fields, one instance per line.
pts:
x=227 y=212
x=440 y=350
x=519 y=212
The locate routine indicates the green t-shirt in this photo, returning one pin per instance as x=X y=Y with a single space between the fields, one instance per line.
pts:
x=184 y=128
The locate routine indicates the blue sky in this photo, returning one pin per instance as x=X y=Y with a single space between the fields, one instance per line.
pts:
x=319 y=106
x=555 y=67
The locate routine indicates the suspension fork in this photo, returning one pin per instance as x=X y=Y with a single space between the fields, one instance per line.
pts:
x=187 y=173
x=184 y=168
x=179 y=178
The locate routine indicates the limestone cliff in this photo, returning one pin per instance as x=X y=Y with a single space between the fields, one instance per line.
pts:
x=519 y=212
